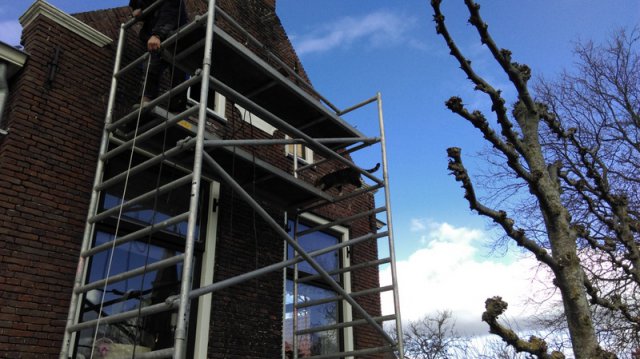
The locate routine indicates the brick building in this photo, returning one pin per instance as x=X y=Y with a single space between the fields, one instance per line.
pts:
x=71 y=188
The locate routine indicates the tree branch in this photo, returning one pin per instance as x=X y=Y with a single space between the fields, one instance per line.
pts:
x=536 y=346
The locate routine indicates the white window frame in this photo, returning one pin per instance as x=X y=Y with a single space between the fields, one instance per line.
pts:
x=348 y=342
x=220 y=103
x=206 y=275
x=203 y=323
x=307 y=156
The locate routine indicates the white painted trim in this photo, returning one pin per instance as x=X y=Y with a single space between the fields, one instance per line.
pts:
x=220 y=105
x=307 y=152
x=13 y=57
x=347 y=312
x=41 y=7
x=256 y=121
x=206 y=275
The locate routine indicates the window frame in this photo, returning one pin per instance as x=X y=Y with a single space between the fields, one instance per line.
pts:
x=218 y=111
x=200 y=319
x=304 y=154
x=346 y=338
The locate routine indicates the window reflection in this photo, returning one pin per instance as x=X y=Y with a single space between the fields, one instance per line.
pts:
x=139 y=334
x=317 y=343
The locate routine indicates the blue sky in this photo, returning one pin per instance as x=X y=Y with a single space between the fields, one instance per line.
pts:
x=352 y=49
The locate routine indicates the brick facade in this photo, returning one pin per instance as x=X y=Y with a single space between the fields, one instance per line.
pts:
x=55 y=116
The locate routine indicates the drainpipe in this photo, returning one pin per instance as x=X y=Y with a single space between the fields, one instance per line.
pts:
x=4 y=94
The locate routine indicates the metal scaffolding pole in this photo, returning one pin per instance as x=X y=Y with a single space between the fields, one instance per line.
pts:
x=180 y=338
x=93 y=204
x=299 y=249
x=392 y=252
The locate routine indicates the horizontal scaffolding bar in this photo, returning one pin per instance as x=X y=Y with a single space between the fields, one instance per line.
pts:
x=168 y=262
x=353 y=194
x=169 y=304
x=166 y=162
x=146 y=12
x=351 y=268
x=355 y=107
x=155 y=102
x=137 y=234
x=271 y=268
x=150 y=133
x=340 y=221
x=344 y=325
x=290 y=141
x=146 y=196
x=146 y=164
x=285 y=126
x=355 y=353
x=361 y=293
x=270 y=55
x=350 y=150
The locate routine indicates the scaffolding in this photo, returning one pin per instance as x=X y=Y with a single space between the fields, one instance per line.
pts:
x=217 y=62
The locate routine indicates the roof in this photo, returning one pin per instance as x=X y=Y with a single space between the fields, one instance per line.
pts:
x=14 y=57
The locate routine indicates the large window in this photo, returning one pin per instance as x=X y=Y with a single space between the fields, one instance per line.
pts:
x=308 y=317
x=143 y=333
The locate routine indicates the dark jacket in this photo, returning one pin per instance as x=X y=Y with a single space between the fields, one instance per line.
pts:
x=163 y=20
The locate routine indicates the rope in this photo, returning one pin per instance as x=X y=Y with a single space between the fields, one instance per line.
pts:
x=155 y=203
x=117 y=229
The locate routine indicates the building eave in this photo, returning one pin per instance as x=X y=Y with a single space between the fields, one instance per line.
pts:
x=43 y=8
x=13 y=57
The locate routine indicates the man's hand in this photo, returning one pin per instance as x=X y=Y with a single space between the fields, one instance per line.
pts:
x=136 y=13
x=154 y=43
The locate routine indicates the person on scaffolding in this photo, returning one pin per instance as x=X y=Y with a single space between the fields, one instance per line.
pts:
x=157 y=26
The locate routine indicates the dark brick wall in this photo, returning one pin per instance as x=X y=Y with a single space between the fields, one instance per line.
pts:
x=47 y=164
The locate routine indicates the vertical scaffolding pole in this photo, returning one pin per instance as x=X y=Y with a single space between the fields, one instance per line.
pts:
x=93 y=203
x=187 y=269
x=392 y=251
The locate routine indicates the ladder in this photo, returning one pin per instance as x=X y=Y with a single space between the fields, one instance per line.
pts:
x=189 y=156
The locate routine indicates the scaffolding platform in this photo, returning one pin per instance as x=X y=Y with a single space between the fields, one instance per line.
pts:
x=269 y=89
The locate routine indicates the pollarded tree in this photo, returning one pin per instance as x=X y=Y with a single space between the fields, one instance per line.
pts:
x=517 y=138
x=596 y=136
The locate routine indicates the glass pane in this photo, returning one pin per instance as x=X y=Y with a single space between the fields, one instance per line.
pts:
x=314 y=241
x=318 y=343
x=169 y=205
x=137 y=334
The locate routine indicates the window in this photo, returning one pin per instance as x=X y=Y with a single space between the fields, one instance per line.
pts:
x=153 y=332
x=303 y=153
x=328 y=341
x=216 y=103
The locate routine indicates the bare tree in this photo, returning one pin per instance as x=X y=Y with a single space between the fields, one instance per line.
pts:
x=594 y=217
x=596 y=136
x=434 y=337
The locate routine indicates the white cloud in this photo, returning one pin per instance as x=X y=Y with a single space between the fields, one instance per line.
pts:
x=448 y=274
x=10 y=32
x=377 y=29
x=418 y=224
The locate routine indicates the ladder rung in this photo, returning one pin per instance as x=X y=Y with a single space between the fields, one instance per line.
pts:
x=340 y=221
x=170 y=303
x=130 y=274
x=151 y=132
x=344 y=325
x=145 y=165
x=352 y=268
x=312 y=303
x=137 y=234
x=355 y=353
x=146 y=196
x=158 y=100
